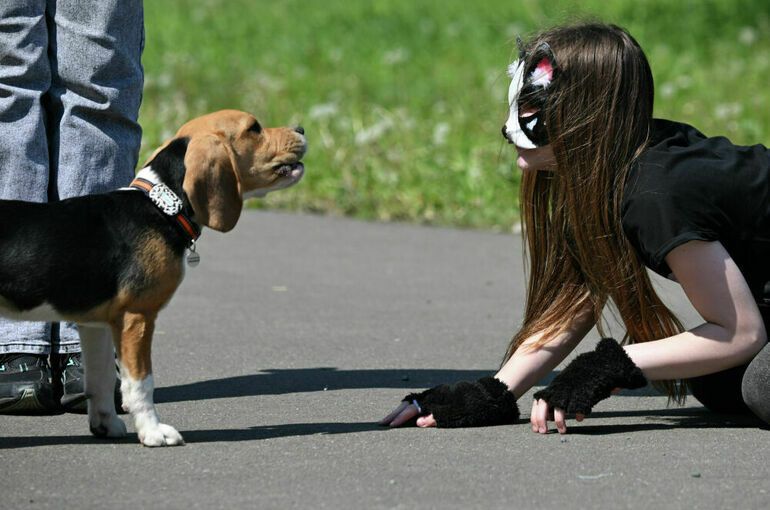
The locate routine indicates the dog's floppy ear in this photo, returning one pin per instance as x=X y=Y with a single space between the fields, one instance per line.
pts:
x=211 y=183
x=157 y=151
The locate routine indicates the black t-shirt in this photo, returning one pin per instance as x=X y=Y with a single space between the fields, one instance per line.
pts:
x=686 y=186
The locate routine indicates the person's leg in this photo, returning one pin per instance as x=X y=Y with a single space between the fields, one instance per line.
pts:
x=25 y=78
x=95 y=95
x=96 y=90
x=720 y=392
x=24 y=166
x=756 y=385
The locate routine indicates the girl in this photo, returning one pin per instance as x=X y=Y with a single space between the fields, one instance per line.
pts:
x=606 y=191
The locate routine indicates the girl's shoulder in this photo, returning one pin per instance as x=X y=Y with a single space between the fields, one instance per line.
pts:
x=688 y=186
x=681 y=161
x=676 y=147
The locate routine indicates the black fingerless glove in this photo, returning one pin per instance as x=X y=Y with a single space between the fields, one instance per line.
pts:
x=481 y=403
x=591 y=377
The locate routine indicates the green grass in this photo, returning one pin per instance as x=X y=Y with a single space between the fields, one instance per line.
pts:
x=402 y=100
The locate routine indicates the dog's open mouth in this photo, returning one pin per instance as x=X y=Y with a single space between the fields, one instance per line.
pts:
x=292 y=170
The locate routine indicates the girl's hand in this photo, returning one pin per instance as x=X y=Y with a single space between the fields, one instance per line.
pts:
x=541 y=413
x=404 y=413
x=588 y=379
x=481 y=403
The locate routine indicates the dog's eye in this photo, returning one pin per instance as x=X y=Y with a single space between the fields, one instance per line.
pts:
x=255 y=128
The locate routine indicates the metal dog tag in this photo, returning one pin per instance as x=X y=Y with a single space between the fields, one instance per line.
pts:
x=193 y=259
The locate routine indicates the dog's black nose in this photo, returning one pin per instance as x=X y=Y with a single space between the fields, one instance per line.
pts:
x=300 y=130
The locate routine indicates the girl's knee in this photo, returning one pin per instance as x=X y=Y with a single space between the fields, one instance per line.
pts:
x=756 y=389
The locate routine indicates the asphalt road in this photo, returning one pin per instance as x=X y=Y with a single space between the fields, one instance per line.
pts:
x=296 y=334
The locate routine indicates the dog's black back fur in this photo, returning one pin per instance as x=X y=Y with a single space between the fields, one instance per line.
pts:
x=76 y=253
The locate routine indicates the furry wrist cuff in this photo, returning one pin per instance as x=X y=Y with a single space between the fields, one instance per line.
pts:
x=591 y=377
x=468 y=404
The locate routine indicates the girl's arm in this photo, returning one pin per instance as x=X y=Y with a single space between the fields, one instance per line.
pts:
x=527 y=366
x=733 y=332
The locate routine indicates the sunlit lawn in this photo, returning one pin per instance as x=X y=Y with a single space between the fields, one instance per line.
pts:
x=403 y=100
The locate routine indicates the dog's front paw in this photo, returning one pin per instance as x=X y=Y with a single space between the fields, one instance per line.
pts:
x=106 y=425
x=160 y=435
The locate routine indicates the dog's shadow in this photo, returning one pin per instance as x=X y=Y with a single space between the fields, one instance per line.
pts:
x=257 y=433
x=302 y=380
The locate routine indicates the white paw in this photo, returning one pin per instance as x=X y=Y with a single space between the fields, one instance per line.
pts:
x=106 y=425
x=160 y=435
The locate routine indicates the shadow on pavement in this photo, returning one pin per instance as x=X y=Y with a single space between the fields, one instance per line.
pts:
x=653 y=419
x=202 y=436
x=665 y=419
x=9 y=443
x=302 y=380
x=278 y=431
x=282 y=381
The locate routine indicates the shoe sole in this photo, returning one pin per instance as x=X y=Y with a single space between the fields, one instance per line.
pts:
x=78 y=403
x=27 y=403
x=75 y=403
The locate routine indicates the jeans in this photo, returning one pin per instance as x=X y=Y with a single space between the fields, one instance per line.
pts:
x=70 y=87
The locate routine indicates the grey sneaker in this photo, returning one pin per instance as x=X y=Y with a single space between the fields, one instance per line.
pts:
x=69 y=382
x=25 y=385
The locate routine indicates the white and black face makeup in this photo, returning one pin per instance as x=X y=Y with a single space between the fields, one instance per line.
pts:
x=531 y=76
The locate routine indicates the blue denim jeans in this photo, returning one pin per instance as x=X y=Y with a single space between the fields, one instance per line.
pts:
x=70 y=87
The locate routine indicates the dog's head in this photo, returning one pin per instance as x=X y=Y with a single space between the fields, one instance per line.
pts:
x=229 y=157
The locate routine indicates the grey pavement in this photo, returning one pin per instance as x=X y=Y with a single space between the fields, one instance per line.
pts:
x=297 y=333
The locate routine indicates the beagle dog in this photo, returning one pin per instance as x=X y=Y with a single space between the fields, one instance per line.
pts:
x=111 y=262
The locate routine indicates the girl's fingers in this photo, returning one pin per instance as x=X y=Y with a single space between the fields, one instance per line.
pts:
x=541 y=417
x=559 y=419
x=532 y=414
x=394 y=413
x=426 y=421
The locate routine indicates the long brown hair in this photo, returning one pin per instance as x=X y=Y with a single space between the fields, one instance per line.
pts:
x=598 y=117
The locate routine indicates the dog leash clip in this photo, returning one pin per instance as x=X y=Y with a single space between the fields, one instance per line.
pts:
x=193 y=259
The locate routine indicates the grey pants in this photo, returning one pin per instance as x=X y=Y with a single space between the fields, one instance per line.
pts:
x=70 y=87
x=738 y=390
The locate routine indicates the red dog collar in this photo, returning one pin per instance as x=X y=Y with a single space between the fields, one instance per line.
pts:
x=169 y=203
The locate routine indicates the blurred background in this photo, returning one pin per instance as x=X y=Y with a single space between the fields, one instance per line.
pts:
x=403 y=100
